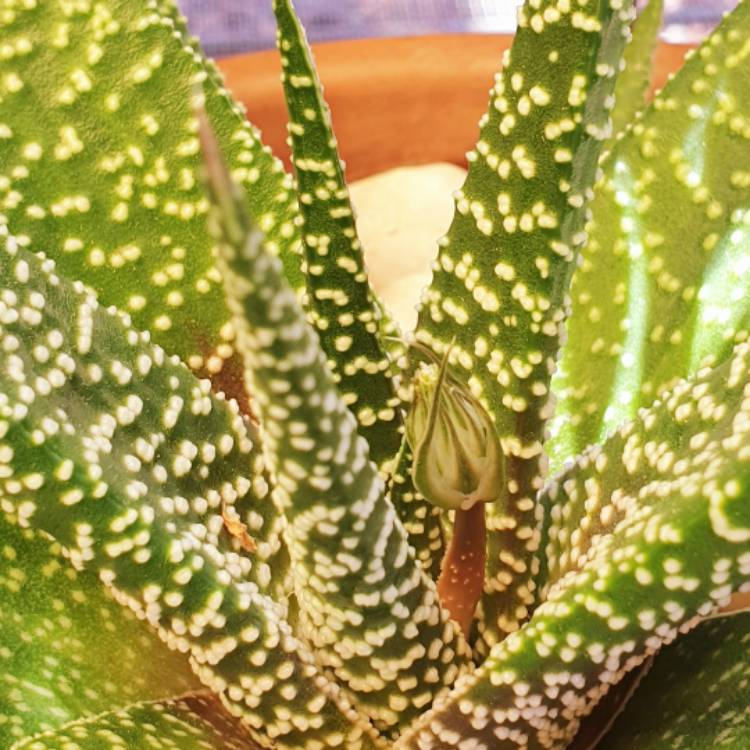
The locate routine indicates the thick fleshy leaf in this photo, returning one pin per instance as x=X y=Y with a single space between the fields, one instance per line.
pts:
x=192 y=722
x=500 y=282
x=663 y=283
x=694 y=430
x=601 y=622
x=634 y=81
x=341 y=303
x=370 y=612
x=99 y=166
x=67 y=650
x=121 y=454
x=696 y=695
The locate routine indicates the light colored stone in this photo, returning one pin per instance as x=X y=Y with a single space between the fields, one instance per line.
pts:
x=400 y=216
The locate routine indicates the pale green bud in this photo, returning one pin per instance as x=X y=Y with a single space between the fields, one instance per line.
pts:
x=458 y=460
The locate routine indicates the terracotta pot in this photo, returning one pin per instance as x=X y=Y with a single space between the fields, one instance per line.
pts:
x=383 y=94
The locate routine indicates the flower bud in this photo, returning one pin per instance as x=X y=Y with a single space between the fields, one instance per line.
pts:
x=458 y=460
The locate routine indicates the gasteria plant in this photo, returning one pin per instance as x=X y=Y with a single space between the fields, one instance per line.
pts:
x=205 y=411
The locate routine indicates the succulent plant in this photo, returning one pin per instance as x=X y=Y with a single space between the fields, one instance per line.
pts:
x=241 y=509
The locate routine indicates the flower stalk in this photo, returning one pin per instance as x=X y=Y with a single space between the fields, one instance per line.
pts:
x=458 y=465
x=462 y=574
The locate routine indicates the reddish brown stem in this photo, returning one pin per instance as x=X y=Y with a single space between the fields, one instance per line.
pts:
x=462 y=574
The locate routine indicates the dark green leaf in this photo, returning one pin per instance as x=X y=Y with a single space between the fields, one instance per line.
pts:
x=341 y=303
x=696 y=696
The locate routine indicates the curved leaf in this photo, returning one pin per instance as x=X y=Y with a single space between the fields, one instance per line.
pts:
x=687 y=435
x=662 y=288
x=192 y=722
x=370 y=612
x=121 y=454
x=99 y=163
x=67 y=650
x=594 y=627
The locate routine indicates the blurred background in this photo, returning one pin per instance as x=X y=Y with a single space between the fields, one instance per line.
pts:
x=404 y=145
x=228 y=27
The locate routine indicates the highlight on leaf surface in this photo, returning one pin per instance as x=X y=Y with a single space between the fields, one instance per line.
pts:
x=67 y=649
x=195 y=721
x=106 y=180
x=662 y=289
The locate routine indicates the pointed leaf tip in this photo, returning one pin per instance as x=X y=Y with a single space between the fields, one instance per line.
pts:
x=343 y=308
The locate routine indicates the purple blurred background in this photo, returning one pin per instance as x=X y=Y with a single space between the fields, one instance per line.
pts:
x=229 y=27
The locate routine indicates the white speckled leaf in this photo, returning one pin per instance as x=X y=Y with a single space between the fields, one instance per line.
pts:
x=191 y=722
x=67 y=650
x=691 y=433
x=500 y=281
x=99 y=157
x=303 y=606
x=663 y=286
x=121 y=454
x=697 y=694
x=341 y=304
x=422 y=520
x=372 y=615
